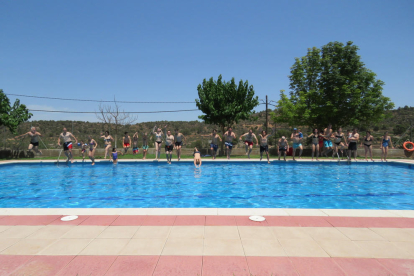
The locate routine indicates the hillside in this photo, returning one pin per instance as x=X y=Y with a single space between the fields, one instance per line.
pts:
x=195 y=131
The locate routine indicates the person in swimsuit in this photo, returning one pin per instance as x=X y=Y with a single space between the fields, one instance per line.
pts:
x=169 y=145
x=229 y=136
x=248 y=141
x=92 y=148
x=135 y=149
x=114 y=154
x=315 y=143
x=158 y=140
x=352 y=146
x=34 y=139
x=283 y=147
x=321 y=134
x=297 y=143
x=84 y=147
x=179 y=142
x=338 y=137
x=263 y=144
x=67 y=143
x=126 y=142
x=327 y=143
x=107 y=138
x=214 y=143
x=197 y=158
x=368 y=145
x=386 y=142
x=144 y=145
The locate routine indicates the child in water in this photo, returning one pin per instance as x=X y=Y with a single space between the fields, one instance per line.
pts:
x=197 y=158
x=115 y=155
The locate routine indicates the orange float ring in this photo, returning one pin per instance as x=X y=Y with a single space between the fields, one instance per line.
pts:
x=408 y=143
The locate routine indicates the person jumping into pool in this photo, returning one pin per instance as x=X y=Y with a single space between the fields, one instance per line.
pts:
x=248 y=141
x=114 y=157
x=315 y=143
x=327 y=143
x=144 y=145
x=386 y=142
x=283 y=147
x=367 y=142
x=83 y=150
x=169 y=145
x=34 y=140
x=297 y=143
x=321 y=139
x=178 y=142
x=352 y=146
x=214 y=143
x=67 y=143
x=107 y=139
x=135 y=149
x=338 y=143
x=158 y=140
x=126 y=142
x=197 y=158
x=263 y=144
x=92 y=148
x=229 y=136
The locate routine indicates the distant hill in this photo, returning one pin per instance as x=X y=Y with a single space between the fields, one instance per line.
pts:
x=195 y=131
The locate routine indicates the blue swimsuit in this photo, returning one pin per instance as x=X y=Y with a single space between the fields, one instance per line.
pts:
x=385 y=143
x=114 y=156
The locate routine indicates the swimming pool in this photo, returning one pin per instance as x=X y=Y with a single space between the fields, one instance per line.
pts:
x=215 y=185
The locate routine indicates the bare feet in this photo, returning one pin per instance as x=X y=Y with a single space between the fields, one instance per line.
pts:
x=93 y=163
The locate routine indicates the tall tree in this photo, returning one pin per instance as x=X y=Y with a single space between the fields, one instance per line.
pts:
x=332 y=85
x=225 y=103
x=12 y=115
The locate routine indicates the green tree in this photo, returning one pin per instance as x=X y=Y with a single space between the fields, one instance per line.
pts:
x=332 y=85
x=12 y=115
x=225 y=103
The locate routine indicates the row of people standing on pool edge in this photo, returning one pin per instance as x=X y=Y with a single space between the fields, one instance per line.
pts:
x=176 y=141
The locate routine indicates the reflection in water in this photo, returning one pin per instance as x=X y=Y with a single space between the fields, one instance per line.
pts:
x=197 y=172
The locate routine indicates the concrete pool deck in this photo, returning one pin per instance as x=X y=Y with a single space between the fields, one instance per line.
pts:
x=206 y=241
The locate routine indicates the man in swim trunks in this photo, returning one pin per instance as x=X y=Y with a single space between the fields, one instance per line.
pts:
x=178 y=142
x=67 y=143
x=135 y=149
x=127 y=142
x=297 y=143
x=34 y=139
x=283 y=147
x=229 y=136
x=169 y=145
x=214 y=143
x=352 y=147
x=144 y=145
x=263 y=144
x=327 y=143
x=248 y=141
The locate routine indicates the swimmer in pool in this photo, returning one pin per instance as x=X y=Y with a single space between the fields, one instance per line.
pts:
x=114 y=154
x=107 y=138
x=34 y=140
x=92 y=148
x=248 y=141
x=283 y=147
x=385 y=143
x=197 y=158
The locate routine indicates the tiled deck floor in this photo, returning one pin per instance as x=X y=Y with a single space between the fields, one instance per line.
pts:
x=206 y=245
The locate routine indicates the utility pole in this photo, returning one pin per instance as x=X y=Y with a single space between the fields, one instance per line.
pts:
x=266 y=113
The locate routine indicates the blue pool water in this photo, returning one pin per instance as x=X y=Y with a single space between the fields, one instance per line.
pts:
x=220 y=185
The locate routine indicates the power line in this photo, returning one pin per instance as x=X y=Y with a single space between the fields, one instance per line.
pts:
x=92 y=112
x=99 y=101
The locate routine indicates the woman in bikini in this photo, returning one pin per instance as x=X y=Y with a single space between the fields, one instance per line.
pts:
x=107 y=139
x=339 y=140
x=368 y=145
x=92 y=148
x=315 y=143
x=158 y=140
x=386 y=142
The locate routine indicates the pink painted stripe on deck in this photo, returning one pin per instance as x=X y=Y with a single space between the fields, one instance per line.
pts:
x=200 y=265
x=308 y=221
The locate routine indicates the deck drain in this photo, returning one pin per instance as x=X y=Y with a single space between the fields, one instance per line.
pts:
x=257 y=218
x=69 y=218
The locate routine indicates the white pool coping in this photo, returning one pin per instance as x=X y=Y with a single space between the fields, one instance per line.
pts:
x=208 y=211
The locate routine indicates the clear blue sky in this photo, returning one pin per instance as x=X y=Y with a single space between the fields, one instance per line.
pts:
x=161 y=50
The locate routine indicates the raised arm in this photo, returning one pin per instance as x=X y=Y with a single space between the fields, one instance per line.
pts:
x=153 y=130
x=27 y=133
x=241 y=136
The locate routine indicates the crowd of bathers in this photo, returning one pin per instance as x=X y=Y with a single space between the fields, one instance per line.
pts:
x=322 y=142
